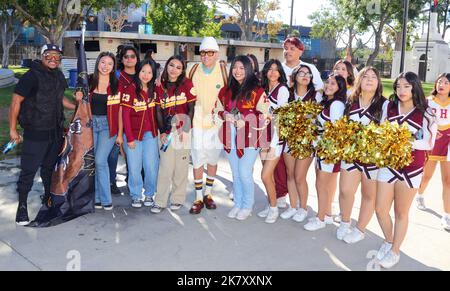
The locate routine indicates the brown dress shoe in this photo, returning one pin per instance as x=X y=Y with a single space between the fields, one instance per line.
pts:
x=196 y=207
x=209 y=202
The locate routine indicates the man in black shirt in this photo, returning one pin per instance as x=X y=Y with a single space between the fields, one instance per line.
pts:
x=37 y=105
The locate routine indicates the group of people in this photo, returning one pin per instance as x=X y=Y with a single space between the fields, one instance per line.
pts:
x=163 y=121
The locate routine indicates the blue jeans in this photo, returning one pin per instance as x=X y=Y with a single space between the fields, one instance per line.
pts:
x=102 y=147
x=144 y=155
x=113 y=158
x=242 y=171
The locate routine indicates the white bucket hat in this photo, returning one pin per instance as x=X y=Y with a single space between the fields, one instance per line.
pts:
x=209 y=43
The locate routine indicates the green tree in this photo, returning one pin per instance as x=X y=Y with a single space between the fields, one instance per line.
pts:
x=182 y=17
x=246 y=12
x=353 y=17
x=52 y=18
x=337 y=24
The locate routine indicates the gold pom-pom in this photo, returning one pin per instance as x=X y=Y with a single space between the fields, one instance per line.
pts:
x=339 y=141
x=391 y=145
x=297 y=126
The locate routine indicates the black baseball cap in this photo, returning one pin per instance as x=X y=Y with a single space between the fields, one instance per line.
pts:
x=50 y=47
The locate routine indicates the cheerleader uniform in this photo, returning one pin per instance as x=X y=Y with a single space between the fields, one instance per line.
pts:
x=278 y=97
x=362 y=115
x=332 y=113
x=424 y=135
x=441 y=149
x=317 y=98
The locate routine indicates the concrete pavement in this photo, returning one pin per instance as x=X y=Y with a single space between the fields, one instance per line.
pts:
x=135 y=239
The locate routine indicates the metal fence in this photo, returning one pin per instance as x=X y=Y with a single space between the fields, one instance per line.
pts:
x=17 y=53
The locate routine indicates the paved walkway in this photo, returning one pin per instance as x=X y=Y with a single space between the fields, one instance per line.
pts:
x=130 y=239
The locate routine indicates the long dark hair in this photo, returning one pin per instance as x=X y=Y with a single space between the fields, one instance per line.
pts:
x=265 y=81
x=150 y=84
x=124 y=51
x=349 y=66
x=165 y=74
x=239 y=91
x=443 y=75
x=310 y=87
x=376 y=107
x=113 y=82
x=341 y=93
x=255 y=63
x=418 y=96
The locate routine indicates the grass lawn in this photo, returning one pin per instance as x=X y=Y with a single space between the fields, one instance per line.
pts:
x=388 y=90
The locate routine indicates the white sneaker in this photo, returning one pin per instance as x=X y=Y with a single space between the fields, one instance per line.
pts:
x=300 y=215
x=384 y=249
x=148 y=201
x=273 y=215
x=233 y=212
x=136 y=203
x=156 y=209
x=175 y=206
x=338 y=218
x=420 y=202
x=263 y=213
x=354 y=236
x=390 y=259
x=281 y=202
x=445 y=222
x=343 y=230
x=288 y=213
x=328 y=219
x=315 y=224
x=243 y=214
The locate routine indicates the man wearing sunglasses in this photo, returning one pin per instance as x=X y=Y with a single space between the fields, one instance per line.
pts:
x=208 y=78
x=38 y=105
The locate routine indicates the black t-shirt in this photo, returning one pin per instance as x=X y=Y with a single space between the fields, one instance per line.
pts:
x=27 y=85
x=99 y=104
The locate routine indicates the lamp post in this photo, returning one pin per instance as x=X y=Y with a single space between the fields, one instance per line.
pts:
x=405 y=28
x=427 y=43
x=292 y=15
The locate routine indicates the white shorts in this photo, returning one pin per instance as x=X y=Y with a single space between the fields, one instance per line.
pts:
x=206 y=147
x=371 y=172
x=413 y=179
x=329 y=168
x=276 y=144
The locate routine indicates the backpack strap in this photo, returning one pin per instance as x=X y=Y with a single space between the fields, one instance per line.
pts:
x=192 y=71
x=223 y=70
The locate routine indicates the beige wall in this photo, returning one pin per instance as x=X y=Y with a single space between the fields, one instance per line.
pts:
x=165 y=51
x=258 y=52
x=276 y=54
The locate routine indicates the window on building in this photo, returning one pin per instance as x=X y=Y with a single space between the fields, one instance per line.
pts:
x=144 y=47
x=92 y=45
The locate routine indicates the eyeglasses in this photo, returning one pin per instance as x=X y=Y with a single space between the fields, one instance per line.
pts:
x=209 y=53
x=126 y=57
x=303 y=74
x=56 y=57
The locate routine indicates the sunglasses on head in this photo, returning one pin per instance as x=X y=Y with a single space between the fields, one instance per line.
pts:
x=209 y=53
x=129 y=57
x=49 y=56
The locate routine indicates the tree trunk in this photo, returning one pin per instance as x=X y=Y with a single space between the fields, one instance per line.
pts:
x=8 y=36
x=5 y=57
x=351 y=36
x=398 y=41
x=444 y=30
x=376 y=50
